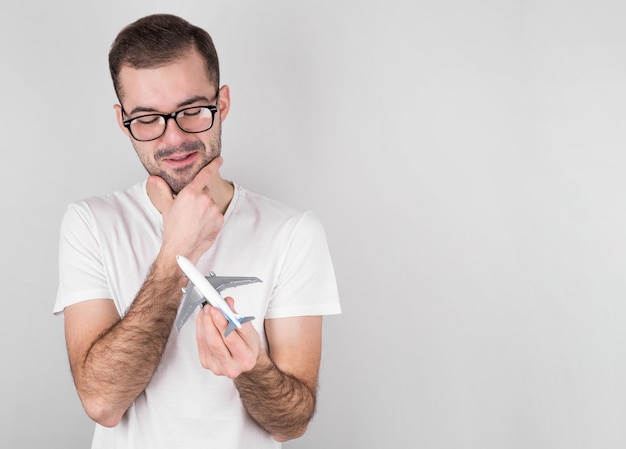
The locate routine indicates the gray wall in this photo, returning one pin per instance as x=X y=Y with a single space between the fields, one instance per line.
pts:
x=466 y=157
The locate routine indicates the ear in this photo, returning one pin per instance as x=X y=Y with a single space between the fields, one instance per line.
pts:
x=120 y=119
x=223 y=103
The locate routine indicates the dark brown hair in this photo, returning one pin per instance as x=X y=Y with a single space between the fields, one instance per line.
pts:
x=159 y=39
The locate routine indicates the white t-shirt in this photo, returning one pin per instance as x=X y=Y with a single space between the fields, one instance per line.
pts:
x=107 y=246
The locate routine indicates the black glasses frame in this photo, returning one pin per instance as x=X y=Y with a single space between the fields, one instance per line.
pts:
x=166 y=117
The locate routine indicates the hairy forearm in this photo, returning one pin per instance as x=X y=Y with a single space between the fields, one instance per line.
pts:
x=120 y=363
x=279 y=402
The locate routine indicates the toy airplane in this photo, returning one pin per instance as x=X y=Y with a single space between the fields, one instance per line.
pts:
x=201 y=290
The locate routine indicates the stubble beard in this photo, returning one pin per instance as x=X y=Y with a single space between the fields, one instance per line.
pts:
x=178 y=179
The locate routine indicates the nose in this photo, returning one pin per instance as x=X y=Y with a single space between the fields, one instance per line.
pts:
x=173 y=135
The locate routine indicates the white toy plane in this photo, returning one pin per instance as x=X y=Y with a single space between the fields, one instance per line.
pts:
x=201 y=290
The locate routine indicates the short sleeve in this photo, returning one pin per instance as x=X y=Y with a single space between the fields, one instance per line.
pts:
x=81 y=271
x=306 y=284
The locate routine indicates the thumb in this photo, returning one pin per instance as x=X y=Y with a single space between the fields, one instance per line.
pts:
x=160 y=194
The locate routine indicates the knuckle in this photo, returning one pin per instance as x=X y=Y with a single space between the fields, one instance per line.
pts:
x=232 y=372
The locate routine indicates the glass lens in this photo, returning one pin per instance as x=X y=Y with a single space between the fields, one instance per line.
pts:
x=195 y=120
x=147 y=127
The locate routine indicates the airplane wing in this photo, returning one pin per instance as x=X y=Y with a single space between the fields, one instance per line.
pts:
x=193 y=298
x=220 y=283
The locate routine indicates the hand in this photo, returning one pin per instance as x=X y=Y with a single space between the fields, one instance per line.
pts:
x=191 y=220
x=225 y=356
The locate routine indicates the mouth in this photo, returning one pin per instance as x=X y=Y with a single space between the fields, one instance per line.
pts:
x=180 y=161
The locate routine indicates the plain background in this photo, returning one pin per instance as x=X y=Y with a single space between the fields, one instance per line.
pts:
x=466 y=157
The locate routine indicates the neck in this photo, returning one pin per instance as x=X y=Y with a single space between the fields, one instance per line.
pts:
x=221 y=192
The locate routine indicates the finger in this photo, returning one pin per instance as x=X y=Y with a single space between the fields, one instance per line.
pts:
x=160 y=193
x=241 y=344
x=221 y=322
x=218 y=317
x=213 y=321
x=213 y=352
x=203 y=178
x=231 y=303
x=244 y=347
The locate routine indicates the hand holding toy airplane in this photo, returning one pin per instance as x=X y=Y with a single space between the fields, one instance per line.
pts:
x=201 y=290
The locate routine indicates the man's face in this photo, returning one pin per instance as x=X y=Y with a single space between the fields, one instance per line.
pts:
x=176 y=156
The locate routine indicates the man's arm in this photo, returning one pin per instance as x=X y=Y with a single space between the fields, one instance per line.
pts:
x=278 y=389
x=113 y=359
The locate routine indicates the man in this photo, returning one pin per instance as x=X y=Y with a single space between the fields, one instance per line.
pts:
x=146 y=385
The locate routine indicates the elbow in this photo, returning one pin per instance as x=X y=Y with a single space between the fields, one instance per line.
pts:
x=102 y=413
x=104 y=417
x=106 y=420
x=101 y=404
x=296 y=427
x=292 y=434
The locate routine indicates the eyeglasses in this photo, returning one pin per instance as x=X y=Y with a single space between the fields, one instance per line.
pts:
x=195 y=119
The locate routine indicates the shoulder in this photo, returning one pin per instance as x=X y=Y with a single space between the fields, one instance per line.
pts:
x=113 y=209
x=263 y=212
x=121 y=202
x=262 y=206
x=256 y=201
x=131 y=197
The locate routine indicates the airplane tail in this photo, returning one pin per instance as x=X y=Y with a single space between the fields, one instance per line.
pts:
x=231 y=327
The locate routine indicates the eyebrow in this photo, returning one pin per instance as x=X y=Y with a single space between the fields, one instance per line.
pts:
x=187 y=102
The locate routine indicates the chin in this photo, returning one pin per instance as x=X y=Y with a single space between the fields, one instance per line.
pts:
x=176 y=183
x=177 y=180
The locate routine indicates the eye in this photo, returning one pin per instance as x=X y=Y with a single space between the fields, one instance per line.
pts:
x=192 y=112
x=147 y=120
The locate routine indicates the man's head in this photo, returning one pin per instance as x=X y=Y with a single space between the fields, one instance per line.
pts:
x=157 y=40
x=166 y=76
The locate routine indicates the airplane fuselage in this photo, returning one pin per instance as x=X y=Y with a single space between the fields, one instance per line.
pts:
x=210 y=294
